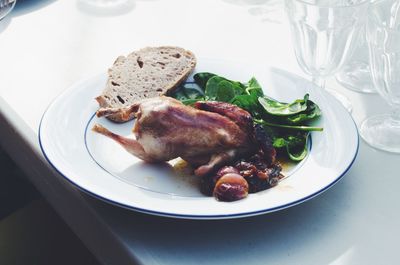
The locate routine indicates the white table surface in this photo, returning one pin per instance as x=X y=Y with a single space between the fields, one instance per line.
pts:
x=46 y=46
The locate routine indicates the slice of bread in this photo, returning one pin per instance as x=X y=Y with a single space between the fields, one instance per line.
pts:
x=147 y=73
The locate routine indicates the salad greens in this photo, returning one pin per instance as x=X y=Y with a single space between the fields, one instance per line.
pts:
x=287 y=123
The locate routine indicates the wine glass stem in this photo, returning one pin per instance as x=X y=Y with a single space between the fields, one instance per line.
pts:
x=319 y=81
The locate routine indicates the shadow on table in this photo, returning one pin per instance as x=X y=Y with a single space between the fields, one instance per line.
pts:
x=15 y=190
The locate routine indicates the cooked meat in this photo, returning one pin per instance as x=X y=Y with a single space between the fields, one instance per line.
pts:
x=259 y=172
x=265 y=142
x=239 y=116
x=207 y=136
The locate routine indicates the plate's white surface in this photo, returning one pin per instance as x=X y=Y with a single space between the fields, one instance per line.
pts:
x=102 y=168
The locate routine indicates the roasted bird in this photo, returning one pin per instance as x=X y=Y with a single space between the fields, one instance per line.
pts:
x=207 y=136
x=232 y=156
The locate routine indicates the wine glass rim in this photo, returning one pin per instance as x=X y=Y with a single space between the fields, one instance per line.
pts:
x=306 y=2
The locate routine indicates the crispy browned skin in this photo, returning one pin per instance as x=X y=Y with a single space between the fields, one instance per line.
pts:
x=238 y=115
x=166 y=129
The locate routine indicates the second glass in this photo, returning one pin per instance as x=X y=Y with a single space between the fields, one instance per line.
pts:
x=324 y=34
x=356 y=73
x=382 y=131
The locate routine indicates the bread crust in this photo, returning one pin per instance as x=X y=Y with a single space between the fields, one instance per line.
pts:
x=146 y=73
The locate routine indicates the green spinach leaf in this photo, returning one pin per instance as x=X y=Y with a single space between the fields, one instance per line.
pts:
x=254 y=88
x=225 y=91
x=297 y=146
x=202 y=78
x=211 y=90
x=311 y=113
x=188 y=93
x=277 y=108
x=248 y=103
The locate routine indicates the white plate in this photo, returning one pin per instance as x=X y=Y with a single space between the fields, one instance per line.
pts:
x=102 y=168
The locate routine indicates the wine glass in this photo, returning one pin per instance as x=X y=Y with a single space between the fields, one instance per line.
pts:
x=356 y=74
x=383 y=35
x=324 y=33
